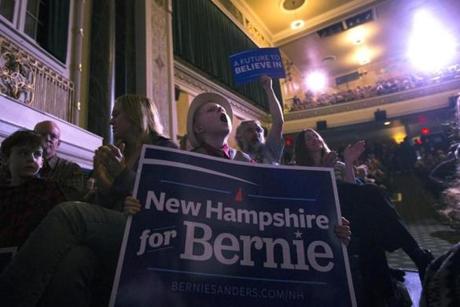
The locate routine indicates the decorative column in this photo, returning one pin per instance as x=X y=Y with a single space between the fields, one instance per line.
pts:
x=155 y=59
x=101 y=81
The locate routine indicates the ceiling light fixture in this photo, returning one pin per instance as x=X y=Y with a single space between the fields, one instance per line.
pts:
x=363 y=56
x=357 y=35
x=297 y=24
x=292 y=5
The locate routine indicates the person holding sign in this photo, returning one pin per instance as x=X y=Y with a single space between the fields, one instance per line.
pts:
x=208 y=127
x=209 y=123
x=377 y=226
x=72 y=225
x=250 y=134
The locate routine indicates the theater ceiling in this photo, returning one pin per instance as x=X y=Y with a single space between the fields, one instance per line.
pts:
x=380 y=39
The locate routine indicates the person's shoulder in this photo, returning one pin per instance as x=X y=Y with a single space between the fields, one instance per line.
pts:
x=241 y=156
x=165 y=142
x=61 y=162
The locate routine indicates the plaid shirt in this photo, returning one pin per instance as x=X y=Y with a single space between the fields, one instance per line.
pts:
x=23 y=207
x=68 y=176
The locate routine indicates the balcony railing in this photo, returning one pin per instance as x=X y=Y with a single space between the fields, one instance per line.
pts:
x=27 y=80
x=444 y=86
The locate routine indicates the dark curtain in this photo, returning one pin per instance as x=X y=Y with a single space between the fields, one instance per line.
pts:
x=125 y=53
x=205 y=38
x=101 y=77
x=56 y=28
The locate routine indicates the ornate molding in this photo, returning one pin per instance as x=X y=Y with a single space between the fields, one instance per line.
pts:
x=195 y=83
x=17 y=78
x=247 y=23
x=27 y=80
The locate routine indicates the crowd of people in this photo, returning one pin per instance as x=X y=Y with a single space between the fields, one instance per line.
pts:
x=381 y=87
x=67 y=239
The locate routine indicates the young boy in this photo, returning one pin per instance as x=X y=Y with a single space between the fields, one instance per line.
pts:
x=24 y=198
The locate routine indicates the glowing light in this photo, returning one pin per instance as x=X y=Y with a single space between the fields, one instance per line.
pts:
x=363 y=56
x=399 y=137
x=425 y=131
x=387 y=123
x=316 y=81
x=357 y=35
x=431 y=46
x=297 y=24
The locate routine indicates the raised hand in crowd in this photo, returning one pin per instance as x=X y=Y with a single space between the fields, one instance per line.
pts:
x=350 y=155
x=329 y=159
x=353 y=152
x=112 y=158
x=109 y=162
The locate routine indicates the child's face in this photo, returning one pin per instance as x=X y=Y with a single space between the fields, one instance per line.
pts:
x=212 y=118
x=25 y=161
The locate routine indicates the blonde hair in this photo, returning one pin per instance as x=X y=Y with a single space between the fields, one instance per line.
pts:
x=142 y=113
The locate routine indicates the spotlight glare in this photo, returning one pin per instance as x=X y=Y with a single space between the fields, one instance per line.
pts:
x=316 y=81
x=363 y=56
x=357 y=35
x=431 y=46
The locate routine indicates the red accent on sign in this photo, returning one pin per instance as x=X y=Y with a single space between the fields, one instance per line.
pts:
x=239 y=195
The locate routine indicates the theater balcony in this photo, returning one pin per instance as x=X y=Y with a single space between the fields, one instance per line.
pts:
x=34 y=86
x=391 y=106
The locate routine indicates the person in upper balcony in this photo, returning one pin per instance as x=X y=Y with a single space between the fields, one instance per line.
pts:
x=67 y=174
x=250 y=134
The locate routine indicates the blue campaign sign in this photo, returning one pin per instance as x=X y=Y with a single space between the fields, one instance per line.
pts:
x=214 y=232
x=251 y=64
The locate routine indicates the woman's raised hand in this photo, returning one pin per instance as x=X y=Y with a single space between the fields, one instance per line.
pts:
x=329 y=159
x=112 y=158
x=352 y=152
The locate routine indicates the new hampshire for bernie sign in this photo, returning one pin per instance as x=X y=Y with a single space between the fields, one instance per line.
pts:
x=214 y=232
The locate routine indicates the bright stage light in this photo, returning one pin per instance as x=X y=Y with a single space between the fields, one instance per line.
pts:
x=431 y=46
x=357 y=35
x=363 y=56
x=316 y=81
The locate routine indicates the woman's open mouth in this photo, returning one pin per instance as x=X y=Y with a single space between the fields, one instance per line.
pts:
x=224 y=118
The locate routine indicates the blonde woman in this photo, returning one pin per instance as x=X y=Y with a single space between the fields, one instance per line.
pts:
x=56 y=253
